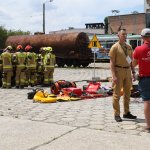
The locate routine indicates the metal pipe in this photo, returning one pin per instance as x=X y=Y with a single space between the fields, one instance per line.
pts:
x=44 y=18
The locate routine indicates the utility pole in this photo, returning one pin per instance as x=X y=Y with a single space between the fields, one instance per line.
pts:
x=44 y=15
x=44 y=18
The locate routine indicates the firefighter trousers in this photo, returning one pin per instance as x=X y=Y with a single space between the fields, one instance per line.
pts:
x=31 y=76
x=48 y=75
x=20 y=76
x=6 y=80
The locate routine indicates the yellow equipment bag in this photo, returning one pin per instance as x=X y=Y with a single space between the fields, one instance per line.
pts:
x=44 y=97
x=64 y=97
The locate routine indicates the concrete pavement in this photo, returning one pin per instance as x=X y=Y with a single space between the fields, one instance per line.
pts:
x=78 y=125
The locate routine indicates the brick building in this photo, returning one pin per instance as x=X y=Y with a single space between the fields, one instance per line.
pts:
x=146 y=6
x=134 y=23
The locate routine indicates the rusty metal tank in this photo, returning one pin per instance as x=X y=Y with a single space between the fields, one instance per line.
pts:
x=69 y=48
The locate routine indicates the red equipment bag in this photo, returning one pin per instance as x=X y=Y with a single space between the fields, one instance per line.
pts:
x=58 y=85
x=73 y=91
x=93 y=87
x=91 y=96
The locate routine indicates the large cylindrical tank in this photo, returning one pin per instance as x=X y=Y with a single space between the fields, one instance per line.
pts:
x=69 y=48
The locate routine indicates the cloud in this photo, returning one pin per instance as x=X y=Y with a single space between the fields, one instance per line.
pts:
x=27 y=15
x=4 y=15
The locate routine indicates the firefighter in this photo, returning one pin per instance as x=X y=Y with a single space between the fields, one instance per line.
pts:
x=7 y=67
x=40 y=65
x=49 y=63
x=31 y=66
x=0 y=70
x=52 y=64
x=14 y=63
x=20 y=67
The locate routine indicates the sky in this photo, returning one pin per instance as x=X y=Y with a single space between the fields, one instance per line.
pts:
x=27 y=15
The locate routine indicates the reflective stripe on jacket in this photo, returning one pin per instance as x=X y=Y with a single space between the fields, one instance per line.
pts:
x=6 y=60
x=31 y=60
x=49 y=60
x=21 y=59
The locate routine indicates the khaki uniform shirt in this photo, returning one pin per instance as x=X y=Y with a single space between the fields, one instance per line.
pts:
x=119 y=52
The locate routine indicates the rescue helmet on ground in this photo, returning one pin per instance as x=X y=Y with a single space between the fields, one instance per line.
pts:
x=19 y=47
x=9 y=47
x=28 y=48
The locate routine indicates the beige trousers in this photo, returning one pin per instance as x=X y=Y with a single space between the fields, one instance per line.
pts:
x=125 y=83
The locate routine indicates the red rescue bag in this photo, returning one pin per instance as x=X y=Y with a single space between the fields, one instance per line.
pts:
x=93 y=87
x=58 y=85
x=72 y=91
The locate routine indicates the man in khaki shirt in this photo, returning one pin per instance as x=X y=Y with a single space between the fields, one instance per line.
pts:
x=120 y=64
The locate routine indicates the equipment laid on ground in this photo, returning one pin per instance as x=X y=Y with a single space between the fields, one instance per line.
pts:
x=135 y=93
x=93 y=87
x=72 y=91
x=31 y=94
x=67 y=96
x=92 y=90
x=44 y=97
x=63 y=91
x=58 y=85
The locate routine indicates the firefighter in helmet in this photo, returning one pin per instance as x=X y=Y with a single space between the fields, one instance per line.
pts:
x=40 y=65
x=7 y=67
x=31 y=66
x=1 y=70
x=20 y=67
x=49 y=63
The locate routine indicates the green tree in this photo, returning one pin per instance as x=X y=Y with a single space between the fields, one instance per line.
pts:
x=17 y=32
x=106 y=25
x=3 y=36
x=4 y=33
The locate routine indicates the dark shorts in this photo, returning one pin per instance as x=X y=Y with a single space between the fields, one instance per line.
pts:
x=144 y=88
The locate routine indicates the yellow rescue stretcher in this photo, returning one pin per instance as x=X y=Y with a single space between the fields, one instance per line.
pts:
x=44 y=97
